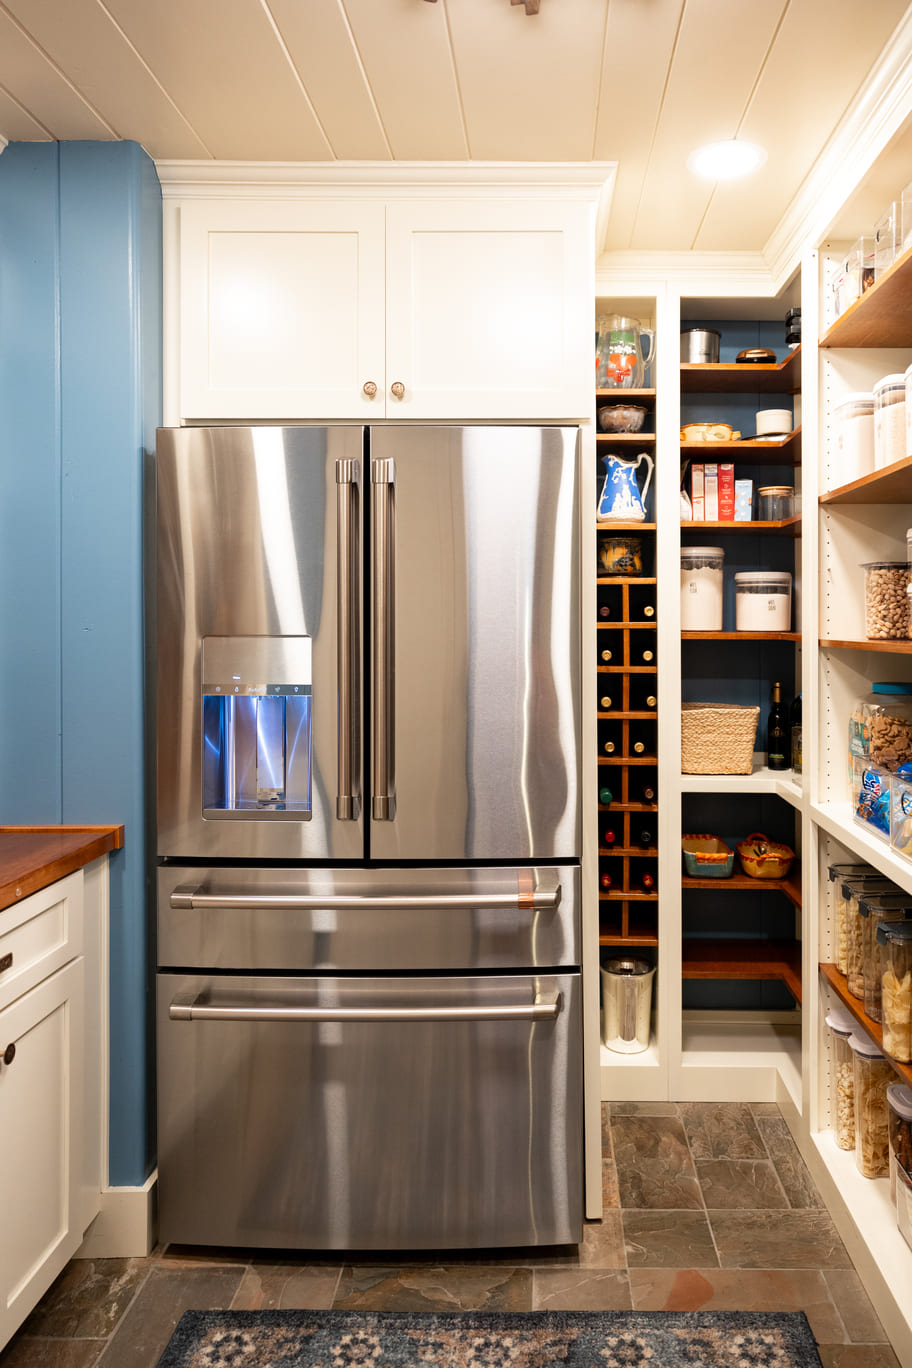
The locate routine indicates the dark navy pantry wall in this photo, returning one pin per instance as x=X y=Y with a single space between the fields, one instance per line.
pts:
x=80 y=397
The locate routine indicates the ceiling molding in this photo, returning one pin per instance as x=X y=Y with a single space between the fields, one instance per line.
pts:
x=708 y=274
x=878 y=111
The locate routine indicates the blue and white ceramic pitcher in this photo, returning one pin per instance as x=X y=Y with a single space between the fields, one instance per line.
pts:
x=621 y=499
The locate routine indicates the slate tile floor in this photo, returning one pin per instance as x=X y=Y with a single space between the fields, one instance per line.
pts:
x=706 y=1206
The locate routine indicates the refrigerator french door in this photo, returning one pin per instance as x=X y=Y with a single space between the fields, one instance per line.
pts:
x=368 y=735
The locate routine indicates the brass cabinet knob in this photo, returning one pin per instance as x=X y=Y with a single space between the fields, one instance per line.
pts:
x=397 y=389
x=369 y=389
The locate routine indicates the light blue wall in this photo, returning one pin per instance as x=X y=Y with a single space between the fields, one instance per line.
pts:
x=80 y=396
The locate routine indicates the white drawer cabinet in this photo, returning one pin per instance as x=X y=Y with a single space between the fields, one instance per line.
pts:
x=364 y=309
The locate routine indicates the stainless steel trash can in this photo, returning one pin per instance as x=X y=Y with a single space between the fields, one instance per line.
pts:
x=626 y=1004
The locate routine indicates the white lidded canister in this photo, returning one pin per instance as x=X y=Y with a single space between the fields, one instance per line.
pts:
x=701 y=588
x=763 y=601
x=908 y=380
x=889 y=420
x=854 y=456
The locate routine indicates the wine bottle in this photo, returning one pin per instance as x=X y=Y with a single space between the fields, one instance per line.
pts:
x=795 y=726
x=606 y=797
x=648 y=656
x=606 y=655
x=608 y=838
x=648 y=882
x=646 y=838
x=639 y=748
x=648 y=611
x=650 y=700
x=605 y=702
x=777 y=732
x=604 y=611
x=608 y=748
x=649 y=793
x=605 y=880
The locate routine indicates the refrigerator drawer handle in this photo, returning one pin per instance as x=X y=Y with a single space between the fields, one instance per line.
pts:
x=383 y=476
x=542 y=1009
x=346 y=655
x=532 y=900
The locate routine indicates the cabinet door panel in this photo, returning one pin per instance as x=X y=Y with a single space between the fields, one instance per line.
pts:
x=489 y=309
x=281 y=309
x=40 y=1098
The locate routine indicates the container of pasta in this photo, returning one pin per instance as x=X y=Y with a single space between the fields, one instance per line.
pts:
x=842 y=1077
x=873 y=1075
x=895 y=939
x=838 y=873
x=852 y=891
x=899 y=1105
x=874 y=908
x=871 y=798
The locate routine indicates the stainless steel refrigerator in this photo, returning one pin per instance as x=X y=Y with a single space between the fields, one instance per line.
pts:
x=367 y=677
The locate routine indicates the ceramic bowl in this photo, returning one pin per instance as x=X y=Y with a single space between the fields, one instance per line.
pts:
x=621 y=418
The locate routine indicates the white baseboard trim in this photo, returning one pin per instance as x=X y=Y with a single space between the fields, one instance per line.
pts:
x=126 y=1225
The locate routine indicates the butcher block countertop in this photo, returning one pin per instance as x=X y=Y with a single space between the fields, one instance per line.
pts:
x=31 y=857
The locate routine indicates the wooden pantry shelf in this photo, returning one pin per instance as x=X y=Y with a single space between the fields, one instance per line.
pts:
x=625 y=438
x=607 y=525
x=621 y=394
x=626 y=579
x=743 y=959
x=891 y=484
x=782 y=451
x=837 y=982
x=792 y=526
x=882 y=316
x=790 y=886
x=742 y=636
x=642 y=938
x=885 y=647
x=783 y=377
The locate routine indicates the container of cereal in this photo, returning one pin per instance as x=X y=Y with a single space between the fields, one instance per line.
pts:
x=899 y=1112
x=852 y=889
x=854 y=455
x=701 y=588
x=842 y=1078
x=871 y=798
x=880 y=729
x=889 y=420
x=874 y=908
x=896 y=988
x=886 y=600
x=873 y=1074
x=763 y=601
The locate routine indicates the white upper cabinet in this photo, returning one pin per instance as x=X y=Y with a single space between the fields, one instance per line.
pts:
x=355 y=306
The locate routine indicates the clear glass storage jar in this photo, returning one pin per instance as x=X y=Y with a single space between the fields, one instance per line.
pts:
x=838 y=874
x=854 y=455
x=842 y=1077
x=763 y=601
x=880 y=727
x=852 y=889
x=896 y=988
x=775 y=502
x=873 y=1075
x=874 y=908
x=899 y=1114
x=701 y=588
x=886 y=600
x=887 y=238
x=889 y=420
x=901 y=815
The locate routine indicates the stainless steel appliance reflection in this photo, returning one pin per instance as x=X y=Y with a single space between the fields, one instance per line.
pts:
x=368 y=738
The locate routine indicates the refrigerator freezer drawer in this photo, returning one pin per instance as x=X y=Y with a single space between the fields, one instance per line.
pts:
x=399 y=920
x=370 y=1113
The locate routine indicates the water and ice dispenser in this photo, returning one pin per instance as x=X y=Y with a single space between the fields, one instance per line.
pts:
x=257 y=727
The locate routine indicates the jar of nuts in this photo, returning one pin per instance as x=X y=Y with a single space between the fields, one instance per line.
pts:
x=886 y=601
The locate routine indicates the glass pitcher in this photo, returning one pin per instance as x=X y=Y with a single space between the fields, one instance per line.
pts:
x=624 y=348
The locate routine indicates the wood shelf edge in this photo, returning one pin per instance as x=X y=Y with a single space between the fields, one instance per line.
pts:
x=743 y=959
x=837 y=982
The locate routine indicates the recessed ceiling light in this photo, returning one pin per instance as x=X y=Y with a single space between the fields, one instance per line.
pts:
x=726 y=160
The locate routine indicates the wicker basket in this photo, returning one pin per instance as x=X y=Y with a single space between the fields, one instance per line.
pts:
x=717 y=738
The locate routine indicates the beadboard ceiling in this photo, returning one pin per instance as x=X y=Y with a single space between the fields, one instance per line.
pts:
x=636 y=82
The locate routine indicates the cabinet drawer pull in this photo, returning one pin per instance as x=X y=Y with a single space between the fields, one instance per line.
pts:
x=397 y=389
x=9 y=1054
x=369 y=389
x=6 y=961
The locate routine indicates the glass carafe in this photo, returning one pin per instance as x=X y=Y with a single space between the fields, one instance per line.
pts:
x=624 y=348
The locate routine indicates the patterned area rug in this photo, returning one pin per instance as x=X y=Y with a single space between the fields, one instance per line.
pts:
x=533 y=1339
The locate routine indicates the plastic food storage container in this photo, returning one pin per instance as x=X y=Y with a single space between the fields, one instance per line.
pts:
x=906 y=217
x=871 y=798
x=873 y=1075
x=901 y=814
x=852 y=890
x=896 y=988
x=889 y=420
x=763 y=601
x=880 y=727
x=886 y=600
x=899 y=1116
x=874 y=908
x=701 y=588
x=854 y=275
x=838 y=874
x=887 y=238
x=908 y=380
x=842 y=1077
x=775 y=502
x=854 y=456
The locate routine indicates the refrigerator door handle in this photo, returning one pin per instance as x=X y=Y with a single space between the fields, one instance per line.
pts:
x=197 y=1009
x=383 y=802
x=528 y=896
x=346 y=482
